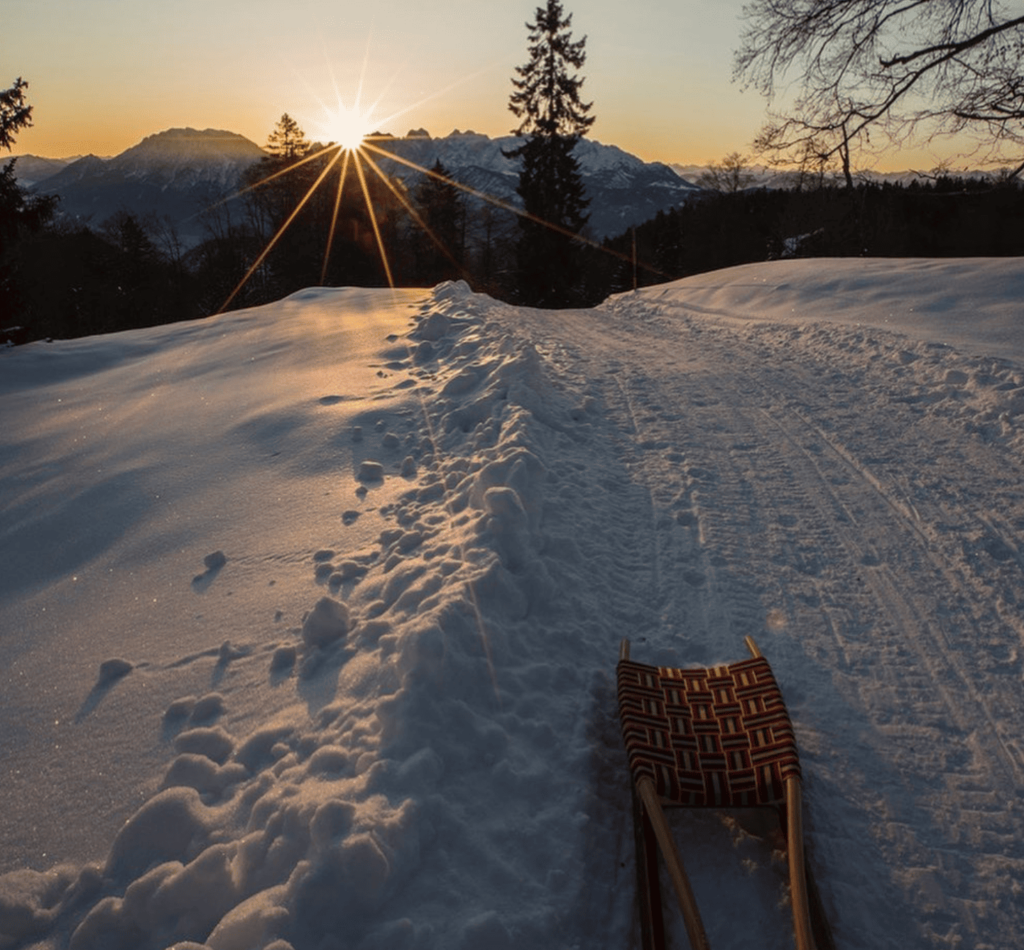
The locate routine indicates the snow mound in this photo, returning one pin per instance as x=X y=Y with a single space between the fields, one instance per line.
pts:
x=266 y=833
x=384 y=713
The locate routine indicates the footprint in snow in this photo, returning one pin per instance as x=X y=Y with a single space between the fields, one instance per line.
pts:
x=213 y=563
x=370 y=471
x=111 y=671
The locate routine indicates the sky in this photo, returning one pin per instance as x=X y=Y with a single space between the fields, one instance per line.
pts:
x=103 y=74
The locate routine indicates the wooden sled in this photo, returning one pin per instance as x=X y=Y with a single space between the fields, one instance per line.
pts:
x=711 y=738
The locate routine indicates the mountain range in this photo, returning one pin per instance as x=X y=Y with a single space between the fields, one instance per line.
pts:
x=178 y=173
x=623 y=190
x=173 y=174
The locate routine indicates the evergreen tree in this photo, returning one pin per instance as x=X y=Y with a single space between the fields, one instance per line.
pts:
x=21 y=215
x=14 y=114
x=439 y=254
x=553 y=117
x=287 y=140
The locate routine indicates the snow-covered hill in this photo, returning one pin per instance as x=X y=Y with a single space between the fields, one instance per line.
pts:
x=310 y=613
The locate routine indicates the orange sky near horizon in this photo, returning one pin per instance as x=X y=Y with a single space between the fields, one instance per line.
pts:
x=103 y=74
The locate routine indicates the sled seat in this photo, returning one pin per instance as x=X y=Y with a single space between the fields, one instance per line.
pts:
x=716 y=737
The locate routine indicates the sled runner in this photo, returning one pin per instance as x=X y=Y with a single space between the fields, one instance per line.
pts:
x=711 y=738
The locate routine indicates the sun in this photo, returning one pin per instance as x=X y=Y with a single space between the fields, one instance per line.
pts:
x=347 y=128
x=345 y=156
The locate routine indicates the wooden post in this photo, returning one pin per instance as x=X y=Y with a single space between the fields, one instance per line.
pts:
x=795 y=848
x=652 y=920
x=633 y=229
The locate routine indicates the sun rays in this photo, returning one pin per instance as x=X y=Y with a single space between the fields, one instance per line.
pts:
x=354 y=154
x=358 y=151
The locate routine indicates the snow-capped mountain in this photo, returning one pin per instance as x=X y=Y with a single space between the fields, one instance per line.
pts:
x=179 y=172
x=623 y=189
x=174 y=174
x=185 y=156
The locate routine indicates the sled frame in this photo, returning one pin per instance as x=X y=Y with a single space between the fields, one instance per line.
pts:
x=782 y=793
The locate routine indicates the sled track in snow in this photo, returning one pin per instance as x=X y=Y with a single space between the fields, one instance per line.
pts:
x=800 y=495
x=945 y=655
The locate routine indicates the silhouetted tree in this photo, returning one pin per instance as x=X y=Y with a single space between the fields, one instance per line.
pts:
x=553 y=117
x=14 y=113
x=890 y=65
x=729 y=175
x=438 y=253
x=21 y=215
x=287 y=140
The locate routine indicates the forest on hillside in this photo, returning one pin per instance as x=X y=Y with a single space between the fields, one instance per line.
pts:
x=949 y=216
x=60 y=279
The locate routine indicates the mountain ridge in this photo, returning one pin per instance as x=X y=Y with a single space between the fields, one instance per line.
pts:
x=178 y=172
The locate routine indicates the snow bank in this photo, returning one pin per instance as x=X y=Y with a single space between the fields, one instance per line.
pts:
x=948 y=335
x=434 y=747
x=310 y=613
x=970 y=303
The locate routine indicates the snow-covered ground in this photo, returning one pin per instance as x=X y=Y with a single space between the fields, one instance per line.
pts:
x=310 y=613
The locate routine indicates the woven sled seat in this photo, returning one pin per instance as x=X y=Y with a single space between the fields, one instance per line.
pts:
x=718 y=737
x=715 y=737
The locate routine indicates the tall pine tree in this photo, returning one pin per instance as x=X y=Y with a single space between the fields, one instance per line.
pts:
x=553 y=117
x=439 y=251
x=287 y=140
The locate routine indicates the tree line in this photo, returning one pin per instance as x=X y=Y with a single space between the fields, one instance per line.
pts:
x=294 y=225
x=130 y=272
x=946 y=217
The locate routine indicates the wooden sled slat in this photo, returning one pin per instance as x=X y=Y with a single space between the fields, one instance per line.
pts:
x=648 y=891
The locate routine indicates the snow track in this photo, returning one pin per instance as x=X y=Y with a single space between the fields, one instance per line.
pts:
x=795 y=490
x=384 y=714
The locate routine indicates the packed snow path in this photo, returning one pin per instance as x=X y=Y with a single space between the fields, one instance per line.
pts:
x=393 y=722
x=855 y=501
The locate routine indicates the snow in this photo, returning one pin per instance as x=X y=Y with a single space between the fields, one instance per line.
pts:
x=310 y=612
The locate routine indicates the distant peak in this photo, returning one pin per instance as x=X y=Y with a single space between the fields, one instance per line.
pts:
x=185 y=145
x=193 y=135
x=189 y=132
x=417 y=134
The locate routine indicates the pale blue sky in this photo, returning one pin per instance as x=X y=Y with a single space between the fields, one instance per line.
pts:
x=105 y=73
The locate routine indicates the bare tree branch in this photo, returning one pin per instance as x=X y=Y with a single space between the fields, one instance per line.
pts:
x=954 y=48
x=903 y=68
